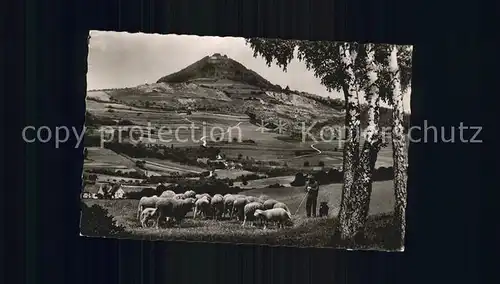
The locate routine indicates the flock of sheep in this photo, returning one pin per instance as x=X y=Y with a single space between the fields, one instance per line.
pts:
x=171 y=207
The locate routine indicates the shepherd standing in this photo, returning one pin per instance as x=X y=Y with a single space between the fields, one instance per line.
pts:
x=312 y=188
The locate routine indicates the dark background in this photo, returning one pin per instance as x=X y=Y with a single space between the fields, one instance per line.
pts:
x=45 y=53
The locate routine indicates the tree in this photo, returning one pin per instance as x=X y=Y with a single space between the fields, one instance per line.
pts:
x=334 y=63
x=381 y=79
x=388 y=76
x=353 y=69
x=368 y=81
x=95 y=221
x=400 y=62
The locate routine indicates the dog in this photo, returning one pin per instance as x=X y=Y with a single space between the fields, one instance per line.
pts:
x=323 y=209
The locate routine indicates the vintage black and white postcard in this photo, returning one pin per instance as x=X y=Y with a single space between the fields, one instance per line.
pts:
x=246 y=141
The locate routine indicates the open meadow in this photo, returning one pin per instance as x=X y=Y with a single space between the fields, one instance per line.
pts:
x=304 y=232
x=265 y=182
x=104 y=158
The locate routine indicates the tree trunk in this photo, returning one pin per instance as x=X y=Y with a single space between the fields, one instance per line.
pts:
x=363 y=185
x=399 y=148
x=351 y=143
x=361 y=192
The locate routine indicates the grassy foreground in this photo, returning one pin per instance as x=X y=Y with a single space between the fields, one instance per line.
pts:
x=316 y=232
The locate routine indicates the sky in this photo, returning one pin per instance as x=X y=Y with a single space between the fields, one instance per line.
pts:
x=120 y=59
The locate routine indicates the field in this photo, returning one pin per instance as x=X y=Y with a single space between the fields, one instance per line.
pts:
x=305 y=232
x=262 y=183
x=105 y=158
x=231 y=174
x=110 y=178
x=99 y=96
x=167 y=166
x=220 y=130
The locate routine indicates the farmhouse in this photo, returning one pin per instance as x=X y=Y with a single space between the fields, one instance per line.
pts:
x=103 y=189
x=119 y=194
x=126 y=189
x=218 y=163
x=90 y=192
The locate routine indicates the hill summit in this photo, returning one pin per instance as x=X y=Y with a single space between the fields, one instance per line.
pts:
x=221 y=85
x=218 y=67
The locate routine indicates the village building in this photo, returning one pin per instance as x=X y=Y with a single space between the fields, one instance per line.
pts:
x=116 y=191
x=91 y=191
x=102 y=190
x=118 y=194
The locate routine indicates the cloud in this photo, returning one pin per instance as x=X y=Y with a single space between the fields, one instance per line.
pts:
x=120 y=59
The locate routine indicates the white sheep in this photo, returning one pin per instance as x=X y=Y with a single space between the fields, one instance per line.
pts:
x=268 y=204
x=217 y=204
x=281 y=205
x=249 y=211
x=263 y=198
x=206 y=195
x=146 y=215
x=228 y=205
x=190 y=199
x=238 y=207
x=179 y=196
x=189 y=194
x=201 y=206
x=146 y=202
x=167 y=194
x=279 y=216
x=172 y=208
x=227 y=196
x=252 y=199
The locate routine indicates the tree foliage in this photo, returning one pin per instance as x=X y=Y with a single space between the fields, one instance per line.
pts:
x=383 y=60
x=321 y=57
x=95 y=221
x=354 y=69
